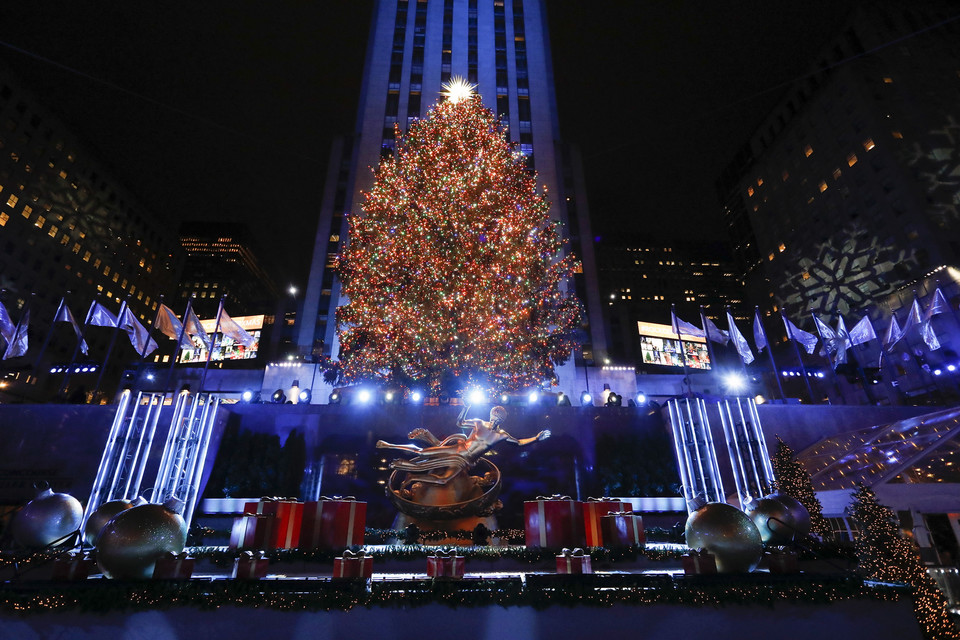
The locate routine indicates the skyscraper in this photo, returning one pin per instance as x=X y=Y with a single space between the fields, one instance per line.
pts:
x=415 y=46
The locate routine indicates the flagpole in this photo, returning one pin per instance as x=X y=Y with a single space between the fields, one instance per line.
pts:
x=46 y=341
x=176 y=349
x=796 y=349
x=76 y=350
x=683 y=357
x=146 y=343
x=776 y=373
x=213 y=343
x=113 y=341
x=706 y=335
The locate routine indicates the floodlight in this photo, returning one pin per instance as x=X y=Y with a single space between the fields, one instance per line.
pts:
x=246 y=396
x=305 y=396
x=279 y=397
x=586 y=399
x=533 y=397
x=734 y=382
x=641 y=398
x=363 y=396
x=416 y=396
x=477 y=396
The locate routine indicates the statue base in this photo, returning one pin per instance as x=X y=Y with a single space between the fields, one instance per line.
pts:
x=402 y=521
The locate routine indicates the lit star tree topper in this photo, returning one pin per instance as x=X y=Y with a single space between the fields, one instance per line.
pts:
x=454 y=270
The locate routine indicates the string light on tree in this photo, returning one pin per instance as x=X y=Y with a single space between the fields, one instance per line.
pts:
x=794 y=480
x=883 y=554
x=454 y=267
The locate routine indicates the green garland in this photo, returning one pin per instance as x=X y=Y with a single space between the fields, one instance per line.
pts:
x=101 y=596
x=508 y=536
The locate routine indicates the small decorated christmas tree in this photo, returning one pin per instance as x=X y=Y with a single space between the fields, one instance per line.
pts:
x=794 y=480
x=883 y=554
x=455 y=270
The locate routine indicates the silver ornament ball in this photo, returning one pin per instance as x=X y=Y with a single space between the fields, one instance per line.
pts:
x=131 y=542
x=727 y=533
x=799 y=513
x=99 y=518
x=773 y=520
x=46 y=519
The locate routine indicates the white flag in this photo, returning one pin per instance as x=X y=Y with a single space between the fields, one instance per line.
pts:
x=19 y=342
x=100 y=316
x=843 y=340
x=913 y=318
x=714 y=332
x=64 y=315
x=230 y=328
x=937 y=305
x=831 y=341
x=169 y=325
x=139 y=335
x=862 y=331
x=894 y=333
x=759 y=335
x=739 y=342
x=807 y=339
x=194 y=328
x=684 y=328
x=7 y=328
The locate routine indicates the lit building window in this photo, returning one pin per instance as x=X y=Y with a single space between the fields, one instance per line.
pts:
x=782 y=247
x=3 y=219
x=888 y=81
x=76 y=247
x=808 y=151
x=897 y=135
x=868 y=144
x=786 y=175
x=27 y=210
x=759 y=182
x=40 y=222
x=63 y=174
x=53 y=231
x=770 y=257
x=106 y=270
x=851 y=159
x=12 y=200
x=749 y=191
x=86 y=256
x=836 y=174
x=823 y=186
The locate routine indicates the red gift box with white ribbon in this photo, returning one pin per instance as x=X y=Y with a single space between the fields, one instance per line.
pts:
x=288 y=516
x=593 y=510
x=174 y=566
x=782 y=562
x=445 y=564
x=73 y=566
x=250 y=566
x=333 y=523
x=698 y=562
x=622 y=529
x=253 y=531
x=553 y=522
x=575 y=561
x=353 y=565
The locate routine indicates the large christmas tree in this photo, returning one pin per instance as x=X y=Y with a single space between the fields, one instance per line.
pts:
x=455 y=271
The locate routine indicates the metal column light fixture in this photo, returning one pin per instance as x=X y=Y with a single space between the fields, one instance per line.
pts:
x=696 y=454
x=749 y=457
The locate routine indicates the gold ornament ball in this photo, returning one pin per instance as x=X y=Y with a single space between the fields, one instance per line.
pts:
x=799 y=513
x=47 y=518
x=727 y=533
x=99 y=519
x=773 y=519
x=131 y=543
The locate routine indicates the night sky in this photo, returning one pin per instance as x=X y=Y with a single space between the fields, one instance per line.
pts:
x=225 y=110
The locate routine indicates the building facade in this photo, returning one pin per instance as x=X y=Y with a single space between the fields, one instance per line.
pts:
x=219 y=262
x=641 y=278
x=69 y=229
x=849 y=189
x=416 y=45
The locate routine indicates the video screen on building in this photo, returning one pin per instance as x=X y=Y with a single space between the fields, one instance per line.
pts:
x=225 y=348
x=659 y=346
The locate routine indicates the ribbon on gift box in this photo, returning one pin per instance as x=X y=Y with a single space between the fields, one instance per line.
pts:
x=351 y=564
x=635 y=526
x=574 y=561
x=445 y=564
x=555 y=496
x=542 y=516
x=339 y=498
x=172 y=566
x=250 y=566
x=593 y=510
x=702 y=561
